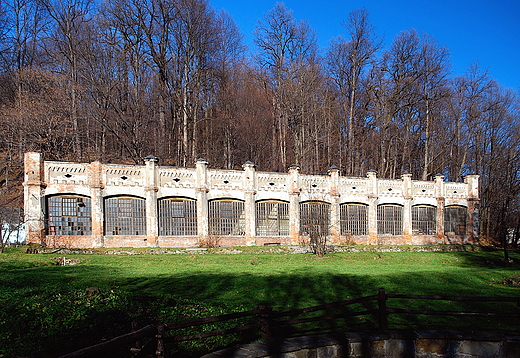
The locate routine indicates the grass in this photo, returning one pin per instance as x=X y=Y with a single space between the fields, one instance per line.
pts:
x=46 y=310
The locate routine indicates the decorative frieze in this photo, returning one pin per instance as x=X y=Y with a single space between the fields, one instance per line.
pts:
x=202 y=185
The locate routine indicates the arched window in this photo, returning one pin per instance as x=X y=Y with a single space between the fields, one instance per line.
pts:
x=424 y=220
x=315 y=218
x=390 y=219
x=227 y=218
x=177 y=217
x=272 y=218
x=69 y=215
x=354 y=219
x=125 y=215
x=455 y=220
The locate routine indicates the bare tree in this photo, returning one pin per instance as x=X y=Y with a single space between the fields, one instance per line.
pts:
x=346 y=60
x=70 y=20
x=286 y=47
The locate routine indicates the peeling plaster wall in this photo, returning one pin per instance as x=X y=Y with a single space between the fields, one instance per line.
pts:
x=153 y=182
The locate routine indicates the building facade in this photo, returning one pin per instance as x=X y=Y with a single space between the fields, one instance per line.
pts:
x=89 y=205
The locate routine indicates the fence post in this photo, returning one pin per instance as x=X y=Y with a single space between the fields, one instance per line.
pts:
x=138 y=345
x=160 y=343
x=383 y=314
x=266 y=322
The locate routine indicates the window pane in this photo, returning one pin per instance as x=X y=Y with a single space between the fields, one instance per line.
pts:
x=69 y=215
x=390 y=220
x=424 y=220
x=455 y=220
x=315 y=217
x=226 y=218
x=354 y=219
x=125 y=216
x=177 y=217
x=272 y=218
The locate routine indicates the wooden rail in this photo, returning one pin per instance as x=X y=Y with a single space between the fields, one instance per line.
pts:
x=268 y=322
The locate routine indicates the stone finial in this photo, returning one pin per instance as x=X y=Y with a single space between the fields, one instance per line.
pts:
x=333 y=169
x=294 y=167
x=151 y=158
x=248 y=164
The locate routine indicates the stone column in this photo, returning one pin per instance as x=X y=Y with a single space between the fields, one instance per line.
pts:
x=407 y=210
x=96 y=199
x=472 y=224
x=34 y=185
x=439 y=194
x=201 y=192
x=372 y=207
x=150 y=192
x=335 y=227
x=249 y=205
x=294 y=203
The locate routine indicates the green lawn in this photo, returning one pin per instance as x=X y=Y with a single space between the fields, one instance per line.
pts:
x=44 y=306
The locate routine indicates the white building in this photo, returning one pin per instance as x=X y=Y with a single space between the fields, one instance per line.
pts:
x=114 y=205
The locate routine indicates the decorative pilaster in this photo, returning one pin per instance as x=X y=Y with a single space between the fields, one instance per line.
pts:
x=335 y=228
x=294 y=203
x=439 y=194
x=96 y=199
x=150 y=191
x=201 y=193
x=472 y=226
x=34 y=184
x=407 y=210
x=372 y=207
x=249 y=205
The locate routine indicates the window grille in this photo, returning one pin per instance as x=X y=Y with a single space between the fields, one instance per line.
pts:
x=354 y=219
x=69 y=215
x=424 y=220
x=125 y=216
x=177 y=217
x=272 y=218
x=227 y=218
x=455 y=220
x=390 y=220
x=314 y=217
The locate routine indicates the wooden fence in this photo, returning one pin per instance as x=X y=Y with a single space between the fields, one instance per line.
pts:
x=268 y=322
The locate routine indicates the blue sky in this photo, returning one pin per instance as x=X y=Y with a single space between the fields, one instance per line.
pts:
x=483 y=31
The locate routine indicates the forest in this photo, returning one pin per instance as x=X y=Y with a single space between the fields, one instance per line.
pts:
x=119 y=80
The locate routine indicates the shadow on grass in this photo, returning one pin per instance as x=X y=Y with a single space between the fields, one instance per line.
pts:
x=488 y=258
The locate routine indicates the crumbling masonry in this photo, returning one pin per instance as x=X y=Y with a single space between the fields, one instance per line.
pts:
x=89 y=205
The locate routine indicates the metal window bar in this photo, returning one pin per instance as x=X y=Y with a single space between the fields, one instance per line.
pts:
x=177 y=217
x=354 y=219
x=69 y=215
x=455 y=220
x=390 y=220
x=227 y=218
x=272 y=218
x=125 y=216
x=424 y=220
x=315 y=216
